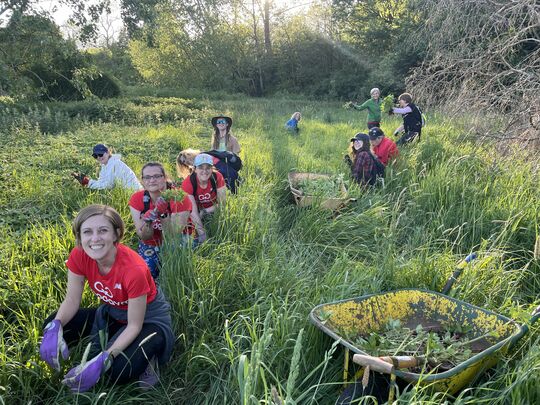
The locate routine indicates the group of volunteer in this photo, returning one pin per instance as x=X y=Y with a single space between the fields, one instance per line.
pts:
x=130 y=333
x=370 y=153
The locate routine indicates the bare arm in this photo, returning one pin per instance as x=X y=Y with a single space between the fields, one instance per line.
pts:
x=221 y=195
x=72 y=301
x=136 y=312
x=195 y=216
x=144 y=229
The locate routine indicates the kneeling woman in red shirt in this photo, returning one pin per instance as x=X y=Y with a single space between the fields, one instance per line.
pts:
x=151 y=214
x=206 y=189
x=134 y=317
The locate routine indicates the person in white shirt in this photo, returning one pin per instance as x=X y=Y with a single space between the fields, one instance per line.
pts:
x=113 y=171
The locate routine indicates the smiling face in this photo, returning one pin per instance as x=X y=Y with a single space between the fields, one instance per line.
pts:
x=154 y=179
x=375 y=95
x=357 y=144
x=98 y=237
x=103 y=158
x=203 y=172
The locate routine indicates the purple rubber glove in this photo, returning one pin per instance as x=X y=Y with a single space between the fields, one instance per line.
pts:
x=85 y=376
x=53 y=345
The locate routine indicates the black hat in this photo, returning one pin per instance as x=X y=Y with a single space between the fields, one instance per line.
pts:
x=99 y=149
x=360 y=137
x=228 y=119
x=375 y=132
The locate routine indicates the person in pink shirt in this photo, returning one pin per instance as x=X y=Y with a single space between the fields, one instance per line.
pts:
x=384 y=148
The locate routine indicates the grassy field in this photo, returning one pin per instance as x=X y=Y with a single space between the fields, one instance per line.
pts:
x=241 y=302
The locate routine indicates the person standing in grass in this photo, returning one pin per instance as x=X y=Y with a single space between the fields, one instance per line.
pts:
x=373 y=105
x=151 y=214
x=206 y=190
x=223 y=140
x=412 y=119
x=130 y=332
x=292 y=124
x=113 y=171
x=364 y=166
x=384 y=148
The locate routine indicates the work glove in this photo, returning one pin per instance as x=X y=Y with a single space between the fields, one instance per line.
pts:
x=391 y=111
x=347 y=159
x=81 y=178
x=162 y=206
x=84 y=376
x=150 y=216
x=53 y=345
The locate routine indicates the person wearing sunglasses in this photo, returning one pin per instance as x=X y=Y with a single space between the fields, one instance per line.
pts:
x=223 y=140
x=113 y=171
x=152 y=214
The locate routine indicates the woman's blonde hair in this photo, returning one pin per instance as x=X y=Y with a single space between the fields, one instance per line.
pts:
x=98 y=209
x=184 y=162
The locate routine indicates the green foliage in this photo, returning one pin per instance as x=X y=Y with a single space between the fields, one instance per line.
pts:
x=240 y=302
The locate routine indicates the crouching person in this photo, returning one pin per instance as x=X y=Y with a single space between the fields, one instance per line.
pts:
x=206 y=191
x=152 y=214
x=134 y=316
x=365 y=168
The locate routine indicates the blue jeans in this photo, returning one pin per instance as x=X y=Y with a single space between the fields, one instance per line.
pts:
x=150 y=254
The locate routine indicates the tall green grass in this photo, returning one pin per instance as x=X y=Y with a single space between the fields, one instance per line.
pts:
x=241 y=301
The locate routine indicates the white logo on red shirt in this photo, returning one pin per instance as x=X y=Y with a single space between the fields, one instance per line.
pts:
x=117 y=286
x=105 y=294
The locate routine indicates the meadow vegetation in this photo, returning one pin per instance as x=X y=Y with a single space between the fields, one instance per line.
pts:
x=241 y=301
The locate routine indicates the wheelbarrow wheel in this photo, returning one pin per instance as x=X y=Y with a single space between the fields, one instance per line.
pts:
x=376 y=391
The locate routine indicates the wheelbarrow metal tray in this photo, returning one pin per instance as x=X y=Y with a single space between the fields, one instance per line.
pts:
x=305 y=200
x=349 y=319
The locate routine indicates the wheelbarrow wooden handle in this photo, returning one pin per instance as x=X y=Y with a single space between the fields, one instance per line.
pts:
x=374 y=363
x=390 y=362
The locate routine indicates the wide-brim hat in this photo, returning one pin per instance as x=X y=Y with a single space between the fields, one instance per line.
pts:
x=228 y=119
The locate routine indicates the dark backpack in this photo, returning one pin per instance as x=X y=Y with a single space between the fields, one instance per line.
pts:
x=230 y=158
x=378 y=167
x=213 y=182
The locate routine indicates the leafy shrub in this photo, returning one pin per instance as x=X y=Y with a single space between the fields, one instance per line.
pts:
x=104 y=86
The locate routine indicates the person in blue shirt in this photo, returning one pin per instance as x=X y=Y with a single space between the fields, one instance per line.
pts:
x=292 y=124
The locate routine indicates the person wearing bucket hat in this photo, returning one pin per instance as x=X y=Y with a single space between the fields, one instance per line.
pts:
x=205 y=188
x=113 y=171
x=361 y=160
x=384 y=148
x=373 y=105
x=223 y=139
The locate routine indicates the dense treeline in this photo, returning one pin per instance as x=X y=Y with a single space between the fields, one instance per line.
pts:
x=482 y=54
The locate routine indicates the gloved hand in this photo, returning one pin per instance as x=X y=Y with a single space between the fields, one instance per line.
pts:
x=81 y=178
x=150 y=216
x=391 y=111
x=162 y=206
x=84 y=376
x=347 y=159
x=53 y=345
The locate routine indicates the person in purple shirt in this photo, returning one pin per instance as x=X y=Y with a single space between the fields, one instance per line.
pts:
x=412 y=119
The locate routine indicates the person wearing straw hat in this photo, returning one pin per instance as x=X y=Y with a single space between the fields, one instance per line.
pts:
x=223 y=140
x=113 y=172
x=373 y=105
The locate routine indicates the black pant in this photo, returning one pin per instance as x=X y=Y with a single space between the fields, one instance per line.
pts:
x=133 y=360
x=408 y=137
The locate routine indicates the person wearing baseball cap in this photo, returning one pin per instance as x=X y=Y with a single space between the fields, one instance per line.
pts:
x=361 y=161
x=205 y=188
x=223 y=140
x=113 y=171
x=384 y=148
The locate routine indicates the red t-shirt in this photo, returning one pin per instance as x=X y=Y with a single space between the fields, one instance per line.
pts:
x=206 y=197
x=386 y=150
x=136 y=201
x=128 y=278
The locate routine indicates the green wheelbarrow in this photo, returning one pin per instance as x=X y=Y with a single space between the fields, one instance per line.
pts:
x=351 y=319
